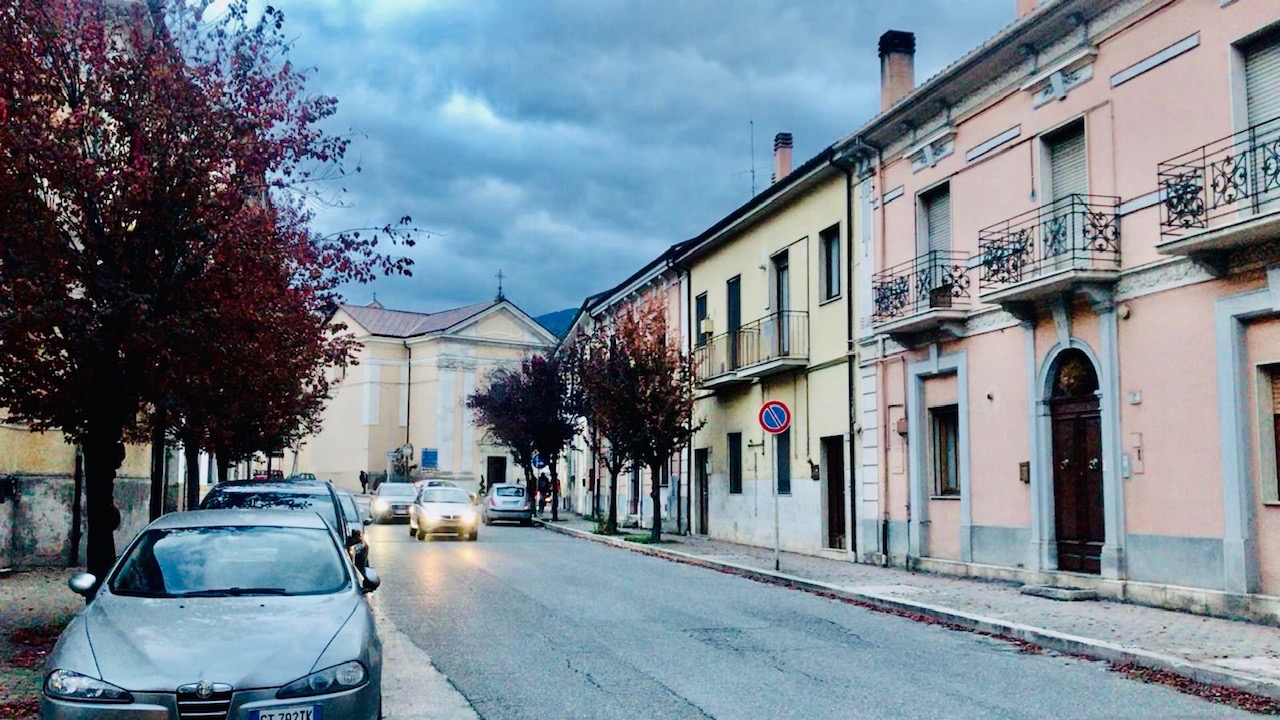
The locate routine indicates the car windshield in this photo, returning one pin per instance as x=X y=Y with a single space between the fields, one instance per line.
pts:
x=445 y=495
x=230 y=561
x=272 y=500
x=398 y=490
x=509 y=491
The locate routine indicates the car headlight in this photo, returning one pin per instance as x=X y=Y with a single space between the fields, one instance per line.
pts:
x=469 y=516
x=335 y=679
x=380 y=505
x=67 y=685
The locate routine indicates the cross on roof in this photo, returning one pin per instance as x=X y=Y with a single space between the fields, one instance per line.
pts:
x=501 y=296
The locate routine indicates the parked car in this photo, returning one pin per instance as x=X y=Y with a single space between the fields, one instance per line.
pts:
x=392 y=501
x=303 y=476
x=443 y=510
x=246 y=615
x=316 y=497
x=507 y=501
x=355 y=529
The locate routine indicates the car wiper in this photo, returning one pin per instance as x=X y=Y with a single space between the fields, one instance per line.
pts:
x=235 y=591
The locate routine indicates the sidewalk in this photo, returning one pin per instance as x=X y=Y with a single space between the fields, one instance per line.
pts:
x=1239 y=655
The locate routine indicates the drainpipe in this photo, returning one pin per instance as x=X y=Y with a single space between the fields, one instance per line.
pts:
x=687 y=291
x=408 y=394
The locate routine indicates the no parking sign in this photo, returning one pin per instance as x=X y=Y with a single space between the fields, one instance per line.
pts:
x=775 y=417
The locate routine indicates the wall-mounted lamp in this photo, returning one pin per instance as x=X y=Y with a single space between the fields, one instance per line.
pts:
x=1124 y=311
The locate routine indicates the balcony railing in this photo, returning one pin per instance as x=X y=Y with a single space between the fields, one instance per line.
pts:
x=1239 y=173
x=1075 y=232
x=936 y=280
x=779 y=336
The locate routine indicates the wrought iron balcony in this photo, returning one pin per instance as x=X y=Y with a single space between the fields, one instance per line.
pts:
x=771 y=344
x=921 y=294
x=1067 y=243
x=1222 y=195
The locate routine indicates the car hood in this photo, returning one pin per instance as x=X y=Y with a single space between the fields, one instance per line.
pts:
x=159 y=644
x=446 y=508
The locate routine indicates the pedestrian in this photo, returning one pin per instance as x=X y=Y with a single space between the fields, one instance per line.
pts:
x=364 y=483
x=482 y=486
x=544 y=489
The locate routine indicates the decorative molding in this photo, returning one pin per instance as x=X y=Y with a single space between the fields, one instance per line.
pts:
x=1062 y=77
x=928 y=153
x=892 y=195
x=987 y=146
x=1159 y=276
x=1182 y=46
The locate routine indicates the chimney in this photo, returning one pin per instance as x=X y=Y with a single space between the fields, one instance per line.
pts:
x=1026 y=6
x=897 y=66
x=781 y=156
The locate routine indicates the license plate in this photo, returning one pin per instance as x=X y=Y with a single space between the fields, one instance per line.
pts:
x=306 y=712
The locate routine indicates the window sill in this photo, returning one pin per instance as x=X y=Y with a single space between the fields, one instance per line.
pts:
x=830 y=300
x=945 y=497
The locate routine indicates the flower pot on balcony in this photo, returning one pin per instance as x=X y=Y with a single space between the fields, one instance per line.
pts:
x=940 y=297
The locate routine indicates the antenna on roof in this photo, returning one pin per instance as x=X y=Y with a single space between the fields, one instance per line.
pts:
x=501 y=296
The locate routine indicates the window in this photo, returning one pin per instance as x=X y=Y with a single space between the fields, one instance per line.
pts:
x=700 y=312
x=1068 y=163
x=1269 y=432
x=1262 y=79
x=782 y=445
x=945 y=445
x=935 y=218
x=829 y=241
x=735 y=463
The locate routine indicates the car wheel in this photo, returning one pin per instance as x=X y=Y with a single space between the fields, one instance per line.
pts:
x=422 y=534
x=474 y=534
x=487 y=521
x=413 y=532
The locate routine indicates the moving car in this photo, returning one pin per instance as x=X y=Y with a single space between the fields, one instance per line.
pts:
x=507 y=501
x=392 y=501
x=314 y=497
x=237 y=614
x=441 y=510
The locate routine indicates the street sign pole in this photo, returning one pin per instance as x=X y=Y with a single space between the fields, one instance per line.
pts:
x=777 y=540
x=775 y=418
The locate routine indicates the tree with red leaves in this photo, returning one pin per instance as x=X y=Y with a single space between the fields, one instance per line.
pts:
x=156 y=174
x=506 y=407
x=603 y=373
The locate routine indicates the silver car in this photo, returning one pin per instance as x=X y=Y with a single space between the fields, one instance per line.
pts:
x=439 y=510
x=507 y=501
x=222 y=614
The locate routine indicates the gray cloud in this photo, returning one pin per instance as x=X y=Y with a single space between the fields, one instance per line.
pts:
x=568 y=142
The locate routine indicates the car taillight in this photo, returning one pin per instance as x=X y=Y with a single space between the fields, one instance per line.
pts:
x=491 y=503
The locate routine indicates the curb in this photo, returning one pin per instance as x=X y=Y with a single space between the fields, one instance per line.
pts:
x=1048 y=639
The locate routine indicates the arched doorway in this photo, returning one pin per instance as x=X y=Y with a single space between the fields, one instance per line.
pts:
x=1076 y=415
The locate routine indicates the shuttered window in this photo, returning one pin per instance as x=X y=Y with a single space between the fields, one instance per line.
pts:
x=936 y=207
x=1068 y=163
x=1262 y=79
x=735 y=463
x=1269 y=437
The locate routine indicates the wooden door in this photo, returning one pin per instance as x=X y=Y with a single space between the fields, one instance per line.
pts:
x=495 y=470
x=704 y=491
x=1077 y=485
x=833 y=459
x=733 y=291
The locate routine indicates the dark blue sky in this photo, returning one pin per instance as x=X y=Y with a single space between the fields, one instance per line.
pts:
x=568 y=142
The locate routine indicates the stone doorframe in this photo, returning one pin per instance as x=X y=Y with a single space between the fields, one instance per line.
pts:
x=1240 y=555
x=936 y=365
x=1044 y=548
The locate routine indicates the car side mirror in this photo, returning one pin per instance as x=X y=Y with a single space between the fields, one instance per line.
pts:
x=83 y=583
x=367 y=519
x=474 y=498
x=371 y=580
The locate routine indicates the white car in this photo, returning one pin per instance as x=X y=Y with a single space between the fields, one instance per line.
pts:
x=440 y=510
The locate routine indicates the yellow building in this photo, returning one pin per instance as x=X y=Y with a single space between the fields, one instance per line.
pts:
x=409 y=387
x=771 y=305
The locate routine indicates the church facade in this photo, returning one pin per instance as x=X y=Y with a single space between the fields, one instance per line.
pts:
x=408 y=390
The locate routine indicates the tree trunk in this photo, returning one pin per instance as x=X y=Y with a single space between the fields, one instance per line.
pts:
x=191 y=456
x=224 y=467
x=655 y=472
x=77 y=516
x=595 y=492
x=157 y=466
x=103 y=455
x=555 y=490
x=611 y=525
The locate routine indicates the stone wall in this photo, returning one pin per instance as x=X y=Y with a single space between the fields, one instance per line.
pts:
x=35 y=524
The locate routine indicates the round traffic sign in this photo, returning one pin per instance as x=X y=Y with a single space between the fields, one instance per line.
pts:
x=775 y=417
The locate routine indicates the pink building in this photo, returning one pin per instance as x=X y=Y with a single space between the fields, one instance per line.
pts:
x=1075 y=313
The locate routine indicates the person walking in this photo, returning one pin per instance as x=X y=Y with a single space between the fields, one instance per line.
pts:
x=364 y=483
x=544 y=489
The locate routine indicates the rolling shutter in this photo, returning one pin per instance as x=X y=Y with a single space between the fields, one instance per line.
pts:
x=1068 y=163
x=1262 y=79
x=937 y=209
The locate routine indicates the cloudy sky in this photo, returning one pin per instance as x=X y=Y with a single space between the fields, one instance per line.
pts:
x=568 y=142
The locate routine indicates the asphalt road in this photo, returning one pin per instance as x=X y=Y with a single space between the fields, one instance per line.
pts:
x=527 y=623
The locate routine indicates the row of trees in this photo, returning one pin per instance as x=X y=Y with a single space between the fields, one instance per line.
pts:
x=159 y=275
x=626 y=381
